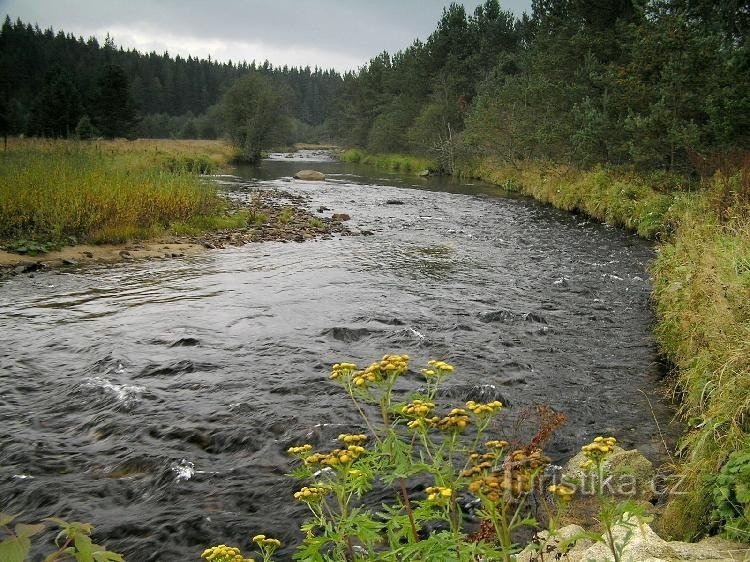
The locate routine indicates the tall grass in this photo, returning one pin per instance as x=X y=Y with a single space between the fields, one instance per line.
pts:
x=392 y=162
x=102 y=191
x=618 y=198
x=702 y=300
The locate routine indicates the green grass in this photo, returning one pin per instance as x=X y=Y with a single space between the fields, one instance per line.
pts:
x=286 y=215
x=618 y=198
x=105 y=191
x=392 y=162
x=701 y=297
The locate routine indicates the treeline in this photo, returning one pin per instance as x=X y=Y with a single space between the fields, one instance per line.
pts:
x=50 y=81
x=658 y=84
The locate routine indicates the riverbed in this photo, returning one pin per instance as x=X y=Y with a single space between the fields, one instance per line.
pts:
x=157 y=399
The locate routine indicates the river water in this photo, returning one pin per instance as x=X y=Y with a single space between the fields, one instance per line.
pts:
x=156 y=399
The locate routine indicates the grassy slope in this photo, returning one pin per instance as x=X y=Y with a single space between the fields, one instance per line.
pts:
x=702 y=299
x=393 y=162
x=108 y=191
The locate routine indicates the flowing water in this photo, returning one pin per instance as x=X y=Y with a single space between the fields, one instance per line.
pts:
x=156 y=399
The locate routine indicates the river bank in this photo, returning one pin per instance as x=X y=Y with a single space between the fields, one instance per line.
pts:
x=265 y=216
x=68 y=203
x=702 y=300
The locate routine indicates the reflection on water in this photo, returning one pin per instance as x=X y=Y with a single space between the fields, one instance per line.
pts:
x=156 y=399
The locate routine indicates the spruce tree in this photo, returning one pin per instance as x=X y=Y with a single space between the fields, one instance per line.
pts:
x=115 y=111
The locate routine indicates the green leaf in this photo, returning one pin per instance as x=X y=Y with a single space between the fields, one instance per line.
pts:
x=6 y=518
x=23 y=530
x=107 y=556
x=14 y=549
x=84 y=548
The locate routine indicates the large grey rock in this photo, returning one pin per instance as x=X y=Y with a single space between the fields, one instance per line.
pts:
x=310 y=175
x=557 y=545
x=640 y=544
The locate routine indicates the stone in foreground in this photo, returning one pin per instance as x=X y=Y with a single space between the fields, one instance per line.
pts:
x=638 y=541
x=310 y=175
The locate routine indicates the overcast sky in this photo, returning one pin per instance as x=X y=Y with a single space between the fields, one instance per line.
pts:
x=341 y=34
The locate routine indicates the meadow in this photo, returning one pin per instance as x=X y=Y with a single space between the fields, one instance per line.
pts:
x=59 y=192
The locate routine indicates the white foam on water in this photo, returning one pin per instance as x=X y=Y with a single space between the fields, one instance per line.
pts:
x=184 y=470
x=128 y=394
x=420 y=335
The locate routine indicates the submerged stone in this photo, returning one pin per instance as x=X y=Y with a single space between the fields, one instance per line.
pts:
x=310 y=175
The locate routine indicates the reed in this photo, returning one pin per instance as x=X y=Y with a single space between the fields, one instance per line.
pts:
x=393 y=162
x=105 y=191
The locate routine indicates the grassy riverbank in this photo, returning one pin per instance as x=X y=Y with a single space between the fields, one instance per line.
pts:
x=702 y=301
x=58 y=192
x=393 y=162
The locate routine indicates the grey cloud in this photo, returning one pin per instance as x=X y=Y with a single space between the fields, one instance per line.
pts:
x=352 y=30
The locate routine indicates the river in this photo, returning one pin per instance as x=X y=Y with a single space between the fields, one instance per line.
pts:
x=157 y=399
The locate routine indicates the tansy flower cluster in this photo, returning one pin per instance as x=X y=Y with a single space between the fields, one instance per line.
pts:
x=441 y=367
x=456 y=420
x=342 y=369
x=481 y=464
x=266 y=542
x=597 y=450
x=224 y=553
x=491 y=486
x=516 y=479
x=484 y=409
x=389 y=366
x=336 y=457
x=311 y=494
x=352 y=438
x=438 y=494
x=563 y=492
x=418 y=408
x=478 y=458
x=300 y=450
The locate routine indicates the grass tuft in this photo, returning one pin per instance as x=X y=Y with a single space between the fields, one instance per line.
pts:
x=392 y=162
x=105 y=192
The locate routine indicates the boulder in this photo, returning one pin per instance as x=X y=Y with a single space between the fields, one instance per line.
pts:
x=340 y=217
x=310 y=175
x=628 y=475
x=639 y=541
x=555 y=547
x=424 y=173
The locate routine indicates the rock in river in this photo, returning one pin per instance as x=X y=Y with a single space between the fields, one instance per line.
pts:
x=310 y=175
x=340 y=217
